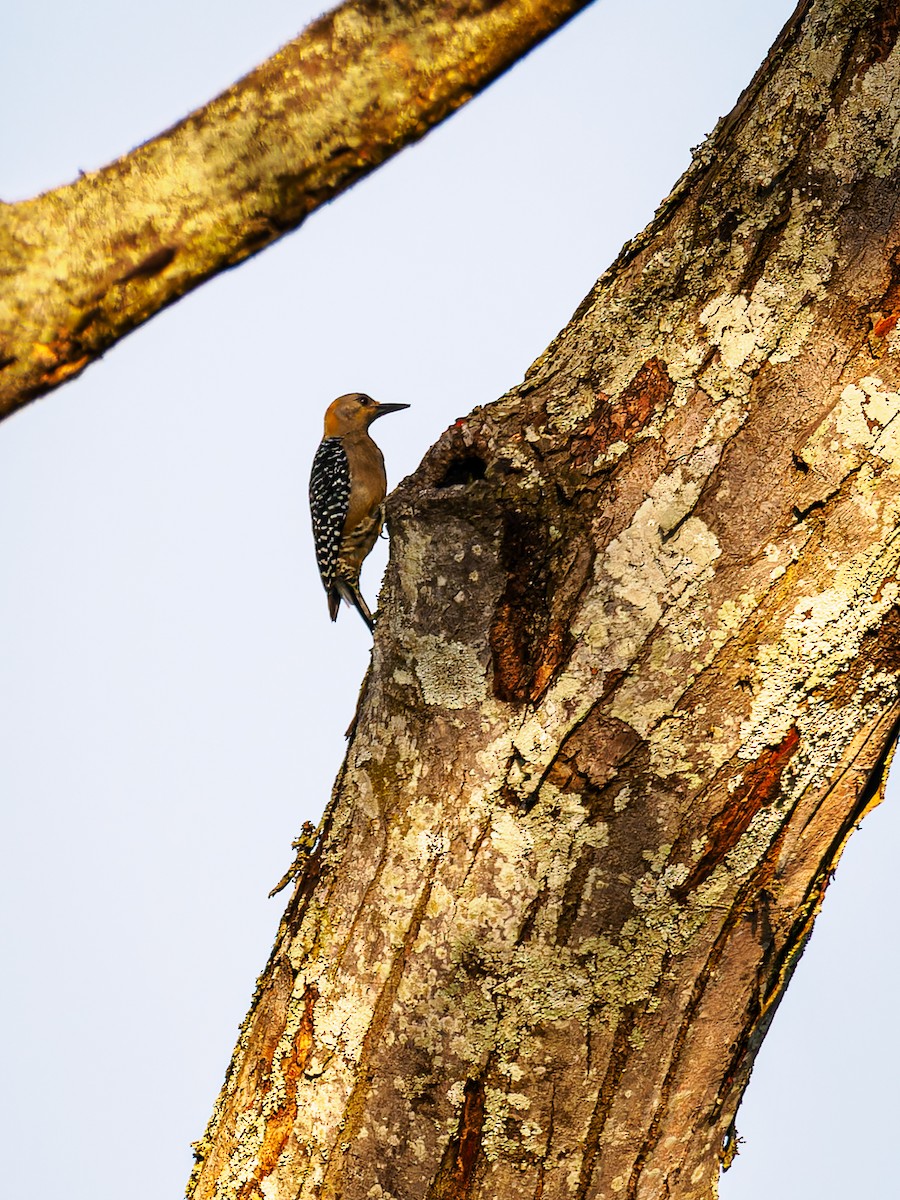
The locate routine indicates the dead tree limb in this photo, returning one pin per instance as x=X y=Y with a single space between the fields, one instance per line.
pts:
x=83 y=265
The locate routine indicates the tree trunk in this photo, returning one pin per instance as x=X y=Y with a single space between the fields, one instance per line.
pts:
x=634 y=683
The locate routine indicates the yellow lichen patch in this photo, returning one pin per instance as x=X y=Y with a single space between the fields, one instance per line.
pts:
x=44 y=354
x=650 y=572
x=823 y=632
x=863 y=422
x=749 y=330
x=502 y=1111
x=731 y=617
x=450 y=673
x=669 y=754
x=647 y=571
x=775 y=320
x=865 y=128
x=737 y=326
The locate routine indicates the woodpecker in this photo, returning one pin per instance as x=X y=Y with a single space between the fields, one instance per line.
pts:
x=347 y=487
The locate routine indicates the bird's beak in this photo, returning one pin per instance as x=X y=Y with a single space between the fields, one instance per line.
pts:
x=383 y=409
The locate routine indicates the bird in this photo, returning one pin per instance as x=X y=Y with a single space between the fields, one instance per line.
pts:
x=347 y=486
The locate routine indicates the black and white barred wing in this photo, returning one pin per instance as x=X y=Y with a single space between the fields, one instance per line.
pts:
x=329 y=500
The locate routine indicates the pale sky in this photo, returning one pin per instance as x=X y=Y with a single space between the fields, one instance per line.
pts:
x=174 y=695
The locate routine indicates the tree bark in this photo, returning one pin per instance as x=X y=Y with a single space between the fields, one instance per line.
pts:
x=634 y=683
x=82 y=266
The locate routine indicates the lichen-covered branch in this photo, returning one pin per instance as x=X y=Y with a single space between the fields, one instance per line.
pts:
x=635 y=681
x=82 y=266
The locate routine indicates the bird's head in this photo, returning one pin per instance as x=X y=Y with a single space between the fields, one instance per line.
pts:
x=353 y=412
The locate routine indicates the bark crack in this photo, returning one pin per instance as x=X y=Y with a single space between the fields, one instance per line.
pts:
x=548 y=1145
x=355 y=1107
x=604 y=1102
x=456 y=1174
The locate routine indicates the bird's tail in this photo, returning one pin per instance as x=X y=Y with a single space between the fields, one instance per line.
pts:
x=348 y=590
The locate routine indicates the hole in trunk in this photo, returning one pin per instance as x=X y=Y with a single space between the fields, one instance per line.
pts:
x=463 y=471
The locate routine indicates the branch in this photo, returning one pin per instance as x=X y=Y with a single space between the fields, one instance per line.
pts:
x=82 y=266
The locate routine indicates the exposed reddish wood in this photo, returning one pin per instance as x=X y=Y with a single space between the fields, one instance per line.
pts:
x=759 y=786
x=528 y=645
x=456 y=1173
x=281 y=1121
x=886 y=24
x=649 y=392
